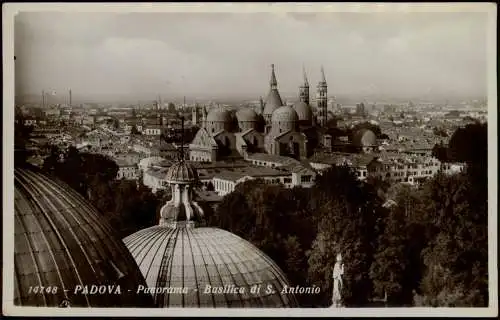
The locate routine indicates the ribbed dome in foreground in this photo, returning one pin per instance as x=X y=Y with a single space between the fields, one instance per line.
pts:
x=61 y=242
x=201 y=258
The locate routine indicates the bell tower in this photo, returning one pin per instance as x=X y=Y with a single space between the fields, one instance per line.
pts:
x=304 y=89
x=322 y=100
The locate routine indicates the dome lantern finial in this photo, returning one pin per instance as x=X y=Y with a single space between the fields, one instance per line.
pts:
x=181 y=210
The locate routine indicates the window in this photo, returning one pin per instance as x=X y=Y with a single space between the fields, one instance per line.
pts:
x=305 y=179
x=288 y=180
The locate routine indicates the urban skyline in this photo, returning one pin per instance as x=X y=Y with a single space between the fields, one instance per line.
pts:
x=135 y=55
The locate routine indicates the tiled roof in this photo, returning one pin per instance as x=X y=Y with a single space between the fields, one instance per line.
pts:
x=252 y=171
x=272 y=158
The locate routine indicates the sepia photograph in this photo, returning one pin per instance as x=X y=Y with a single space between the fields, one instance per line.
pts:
x=250 y=159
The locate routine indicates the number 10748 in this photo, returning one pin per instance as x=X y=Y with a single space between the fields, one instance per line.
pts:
x=42 y=289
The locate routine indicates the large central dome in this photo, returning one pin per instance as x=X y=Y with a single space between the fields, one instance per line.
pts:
x=211 y=264
x=189 y=266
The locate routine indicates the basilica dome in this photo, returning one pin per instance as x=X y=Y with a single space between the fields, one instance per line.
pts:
x=285 y=114
x=247 y=119
x=219 y=114
x=61 y=242
x=304 y=112
x=218 y=119
x=246 y=114
x=215 y=267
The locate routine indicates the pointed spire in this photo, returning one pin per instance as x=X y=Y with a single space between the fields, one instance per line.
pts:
x=182 y=139
x=273 y=82
x=306 y=82
x=323 y=78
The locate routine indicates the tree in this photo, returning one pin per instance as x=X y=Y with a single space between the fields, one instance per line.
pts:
x=348 y=215
x=456 y=258
x=134 y=130
x=440 y=152
x=470 y=144
x=396 y=266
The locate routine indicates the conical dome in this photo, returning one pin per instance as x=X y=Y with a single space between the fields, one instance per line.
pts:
x=62 y=243
x=273 y=100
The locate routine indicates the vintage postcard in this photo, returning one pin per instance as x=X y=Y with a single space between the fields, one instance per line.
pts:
x=250 y=159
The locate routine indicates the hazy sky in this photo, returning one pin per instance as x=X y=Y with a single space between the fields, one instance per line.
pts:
x=231 y=53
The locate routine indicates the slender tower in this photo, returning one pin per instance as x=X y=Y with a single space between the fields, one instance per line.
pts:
x=70 y=98
x=322 y=100
x=43 y=99
x=204 y=116
x=261 y=106
x=194 y=114
x=304 y=88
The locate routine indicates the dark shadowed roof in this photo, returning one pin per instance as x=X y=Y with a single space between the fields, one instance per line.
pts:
x=61 y=241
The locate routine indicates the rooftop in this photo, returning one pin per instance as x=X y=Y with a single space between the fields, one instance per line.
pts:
x=272 y=158
x=252 y=171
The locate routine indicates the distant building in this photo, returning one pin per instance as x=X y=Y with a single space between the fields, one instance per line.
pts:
x=397 y=168
x=152 y=130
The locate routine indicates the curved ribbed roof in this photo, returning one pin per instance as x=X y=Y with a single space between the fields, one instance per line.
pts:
x=304 y=111
x=364 y=138
x=195 y=258
x=273 y=102
x=285 y=114
x=61 y=242
x=246 y=115
x=181 y=172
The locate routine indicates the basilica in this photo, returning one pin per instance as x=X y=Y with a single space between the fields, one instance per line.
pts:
x=273 y=128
